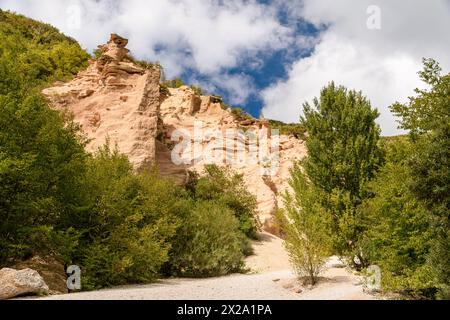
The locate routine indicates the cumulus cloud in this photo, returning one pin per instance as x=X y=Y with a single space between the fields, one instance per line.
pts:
x=383 y=63
x=206 y=35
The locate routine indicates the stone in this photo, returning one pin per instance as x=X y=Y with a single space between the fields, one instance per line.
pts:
x=14 y=283
x=85 y=93
x=50 y=269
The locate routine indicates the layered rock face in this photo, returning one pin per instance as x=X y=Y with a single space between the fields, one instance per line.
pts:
x=183 y=111
x=115 y=99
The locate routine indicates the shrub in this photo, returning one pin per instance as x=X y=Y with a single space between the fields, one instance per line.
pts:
x=209 y=242
x=296 y=129
x=222 y=185
x=175 y=83
x=240 y=114
x=129 y=225
x=197 y=90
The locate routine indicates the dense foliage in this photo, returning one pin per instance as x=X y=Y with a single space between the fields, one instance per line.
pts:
x=388 y=199
x=227 y=187
x=343 y=155
x=208 y=243
x=428 y=117
x=295 y=129
x=41 y=155
x=398 y=233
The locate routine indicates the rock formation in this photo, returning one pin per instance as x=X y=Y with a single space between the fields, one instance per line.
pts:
x=15 y=283
x=115 y=99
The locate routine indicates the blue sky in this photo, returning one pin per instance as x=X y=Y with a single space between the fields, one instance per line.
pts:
x=271 y=55
x=271 y=66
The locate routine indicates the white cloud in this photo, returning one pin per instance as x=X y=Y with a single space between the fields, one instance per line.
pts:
x=382 y=63
x=216 y=33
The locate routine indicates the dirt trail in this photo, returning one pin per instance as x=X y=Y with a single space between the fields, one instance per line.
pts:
x=270 y=278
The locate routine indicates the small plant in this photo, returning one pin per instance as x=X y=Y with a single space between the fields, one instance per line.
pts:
x=164 y=90
x=295 y=129
x=240 y=114
x=197 y=90
x=209 y=243
x=227 y=187
x=175 y=83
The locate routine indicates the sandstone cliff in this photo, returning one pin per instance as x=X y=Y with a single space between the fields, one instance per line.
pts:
x=117 y=100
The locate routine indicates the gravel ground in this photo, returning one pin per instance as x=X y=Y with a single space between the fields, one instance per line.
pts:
x=270 y=278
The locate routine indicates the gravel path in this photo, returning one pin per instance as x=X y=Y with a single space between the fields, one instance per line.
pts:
x=271 y=279
x=268 y=286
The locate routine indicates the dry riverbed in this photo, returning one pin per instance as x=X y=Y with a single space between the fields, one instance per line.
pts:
x=270 y=278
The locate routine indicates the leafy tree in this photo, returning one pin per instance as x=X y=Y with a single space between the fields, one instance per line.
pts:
x=41 y=154
x=342 y=140
x=128 y=228
x=398 y=234
x=342 y=157
x=306 y=225
x=427 y=116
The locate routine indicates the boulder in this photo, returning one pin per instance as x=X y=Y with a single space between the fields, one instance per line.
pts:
x=14 y=283
x=50 y=269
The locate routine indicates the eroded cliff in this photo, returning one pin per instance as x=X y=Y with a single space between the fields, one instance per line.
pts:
x=116 y=100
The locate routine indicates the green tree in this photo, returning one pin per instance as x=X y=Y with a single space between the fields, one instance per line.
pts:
x=306 y=224
x=398 y=234
x=427 y=116
x=42 y=159
x=127 y=229
x=343 y=156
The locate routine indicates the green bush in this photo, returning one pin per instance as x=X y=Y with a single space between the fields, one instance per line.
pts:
x=222 y=185
x=42 y=165
x=240 y=114
x=296 y=129
x=176 y=83
x=197 y=90
x=129 y=224
x=208 y=243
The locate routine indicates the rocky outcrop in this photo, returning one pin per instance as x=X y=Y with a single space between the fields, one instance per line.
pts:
x=14 y=283
x=183 y=109
x=115 y=99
